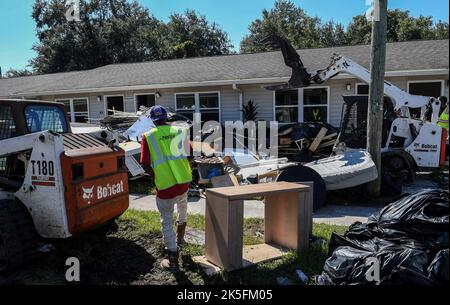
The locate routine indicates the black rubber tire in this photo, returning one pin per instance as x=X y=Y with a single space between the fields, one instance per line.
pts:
x=300 y=173
x=394 y=173
x=397 y=161
x=18 y=238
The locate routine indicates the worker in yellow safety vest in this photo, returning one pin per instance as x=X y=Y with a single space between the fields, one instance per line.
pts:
x=164 y=151
x=443 y=118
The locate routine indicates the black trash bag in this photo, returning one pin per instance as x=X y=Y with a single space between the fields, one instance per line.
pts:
x=438 y=269
x=408 y=238
x=347 y=265
x=423 y=214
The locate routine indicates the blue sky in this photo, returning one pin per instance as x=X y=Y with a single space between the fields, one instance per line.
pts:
x=17 y=29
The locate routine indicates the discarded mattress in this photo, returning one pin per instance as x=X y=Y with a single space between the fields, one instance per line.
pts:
x=353 y=167
x=407 y=240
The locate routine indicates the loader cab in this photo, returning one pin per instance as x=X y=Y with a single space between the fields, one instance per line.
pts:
x=21 y=117
x=353 y=129
x=75 y=182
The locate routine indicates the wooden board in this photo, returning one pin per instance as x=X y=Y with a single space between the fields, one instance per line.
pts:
x=267 y=177
x=252 y=190
x=285 y=141
x=282 y=219
x=224 y=232
x=208 y=267
x=224 y=181
x=326 y=144
x=254 y=254
x=318 y=139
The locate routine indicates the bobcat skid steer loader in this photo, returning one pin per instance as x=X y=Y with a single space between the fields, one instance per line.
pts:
x=53 y=184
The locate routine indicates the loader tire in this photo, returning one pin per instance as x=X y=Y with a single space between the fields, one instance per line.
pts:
x=18 y=238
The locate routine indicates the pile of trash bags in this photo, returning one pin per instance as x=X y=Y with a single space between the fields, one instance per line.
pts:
x=405 y=243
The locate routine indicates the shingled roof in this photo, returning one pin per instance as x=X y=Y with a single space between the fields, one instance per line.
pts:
x=400 y=56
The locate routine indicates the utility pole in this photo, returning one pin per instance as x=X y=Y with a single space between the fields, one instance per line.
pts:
x=376 y=90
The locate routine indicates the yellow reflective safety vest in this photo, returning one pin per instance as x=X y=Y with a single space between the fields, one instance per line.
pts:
x=168 y=156
x=443 y=119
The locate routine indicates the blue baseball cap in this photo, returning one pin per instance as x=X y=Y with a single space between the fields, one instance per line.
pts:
x=158 y=113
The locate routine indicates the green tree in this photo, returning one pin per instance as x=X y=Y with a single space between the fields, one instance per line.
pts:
x=358 y=31
x=332 y=34
x=304 y=31
x=290 y=21
x=11 y=73
x=117 y=31
x=191 y=35
x=441 y=30
x=400 y=27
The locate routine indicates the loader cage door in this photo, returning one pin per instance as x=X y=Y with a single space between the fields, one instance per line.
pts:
x=7 y=130
x=40 y=118
x=353 y=129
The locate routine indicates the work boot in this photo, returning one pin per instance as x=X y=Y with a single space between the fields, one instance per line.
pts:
x=181 y=229
x=171 y=263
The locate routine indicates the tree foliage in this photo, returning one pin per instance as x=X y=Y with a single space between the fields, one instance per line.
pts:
x=191 y=35
x=118 y=31
x=304 y=31
x=11 y=73
x=401 y=26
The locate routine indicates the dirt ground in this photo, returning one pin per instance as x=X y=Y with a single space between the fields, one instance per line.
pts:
x=129 y=253
x=106 y=257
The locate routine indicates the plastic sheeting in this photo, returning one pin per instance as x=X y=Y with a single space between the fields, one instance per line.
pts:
x=408 y=239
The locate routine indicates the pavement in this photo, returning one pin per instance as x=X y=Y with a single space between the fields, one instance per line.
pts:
x=330 y=214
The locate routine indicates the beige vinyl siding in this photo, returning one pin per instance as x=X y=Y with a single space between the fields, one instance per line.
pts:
x=96 y=109
x=229 y=98
x=262 y=98
x=128 y=101
x=167 y=98
x=338 y=88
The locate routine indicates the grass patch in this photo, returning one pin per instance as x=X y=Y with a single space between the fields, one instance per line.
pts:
x=129 y=251
x=310 y=261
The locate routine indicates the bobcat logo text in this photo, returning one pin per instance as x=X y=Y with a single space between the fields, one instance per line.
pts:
x=102 y=191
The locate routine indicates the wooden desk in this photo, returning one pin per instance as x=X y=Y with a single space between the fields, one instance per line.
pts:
x=288 y=221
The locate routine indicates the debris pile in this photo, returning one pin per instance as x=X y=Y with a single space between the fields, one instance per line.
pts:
x=119 y=121
x=405 y=243
x=301 y=141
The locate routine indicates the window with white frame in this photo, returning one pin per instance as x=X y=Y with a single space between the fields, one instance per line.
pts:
x=286 y=106
x=426 y=88
x=206 y=103
x=302 y=105
x=114 y=103
x=432 y=88
x=77 y=109
x=144 y=100
x=315 y=104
